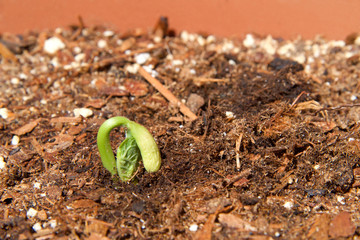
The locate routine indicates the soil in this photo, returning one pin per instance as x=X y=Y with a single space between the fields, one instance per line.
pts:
x=273 y=152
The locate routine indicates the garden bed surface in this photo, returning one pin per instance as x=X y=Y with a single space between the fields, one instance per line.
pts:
x=272 y=154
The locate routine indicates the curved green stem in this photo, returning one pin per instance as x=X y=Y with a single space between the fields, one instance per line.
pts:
x=144 y=141
x=103 y=142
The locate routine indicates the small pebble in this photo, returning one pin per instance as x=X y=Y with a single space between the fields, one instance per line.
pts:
x=84 y=112
x=85 y=32
x=142 y=58
x=169 y=57
x=249 y=41
x=2 y=162
x=36 y=227
x=184 y=36
x=57 y=84
x=316 y=51
x=195 y=102
x=55 y=62
x=227 y=46
x=149 y=69
x=23 y=76
x=134 y=68
x=210 y=39
x=201 y=40
x=192 y=37
x=229 y=114
x=269 y=45
x=307 y=69
x=4 y=113
x=52 y=45
x=68 y=67
x=349 y=54
x=157 y=39
x=77 y=50
x=108 y=33
x=15 y=81
x=102 y=43
x=193 y=228
x=52 y=223
x=357 y=41
x=288 y=205
x=337 y=43
x=353 y=98
x=15 y=140
x=290 y=180
x=31 y=213
x=58 y=30
x=340 y=199
x=286 y=49
x=232 y=62
x=300 y=58
x=177 y=62
x=37 y=185
x=80 y=57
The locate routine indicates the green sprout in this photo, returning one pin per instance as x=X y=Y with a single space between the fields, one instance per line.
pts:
x=138 y=144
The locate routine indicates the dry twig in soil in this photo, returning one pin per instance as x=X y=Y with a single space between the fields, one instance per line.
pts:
x=167 y=94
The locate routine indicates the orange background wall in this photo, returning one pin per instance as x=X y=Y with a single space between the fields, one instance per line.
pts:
x=286 y=18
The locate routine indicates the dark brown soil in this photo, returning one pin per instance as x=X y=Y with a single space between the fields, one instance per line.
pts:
x=273 y=154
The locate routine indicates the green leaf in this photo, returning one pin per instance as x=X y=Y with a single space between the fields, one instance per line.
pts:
x=128 y=156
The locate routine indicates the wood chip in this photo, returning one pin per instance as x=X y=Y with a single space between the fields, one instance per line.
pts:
x=231 y=179
x=342 y=226
x=243 y=182
x=6 y=53
x=161 y=28
x=136 y=88
x=95 y=103
x=26 y=128
x=66 y=120
x=54 y=193
x=320 y=228
x=325 y=126
x=232 y=221
x=83 y=203
x=22 y=156
x=198 y=81
x=127 y=44
x=42 y=215
x=97 y=236
x=98 y=227
x=205 y=232
x=113 y=91
x=74 y=130
x=175 y=119
x=62 y=141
